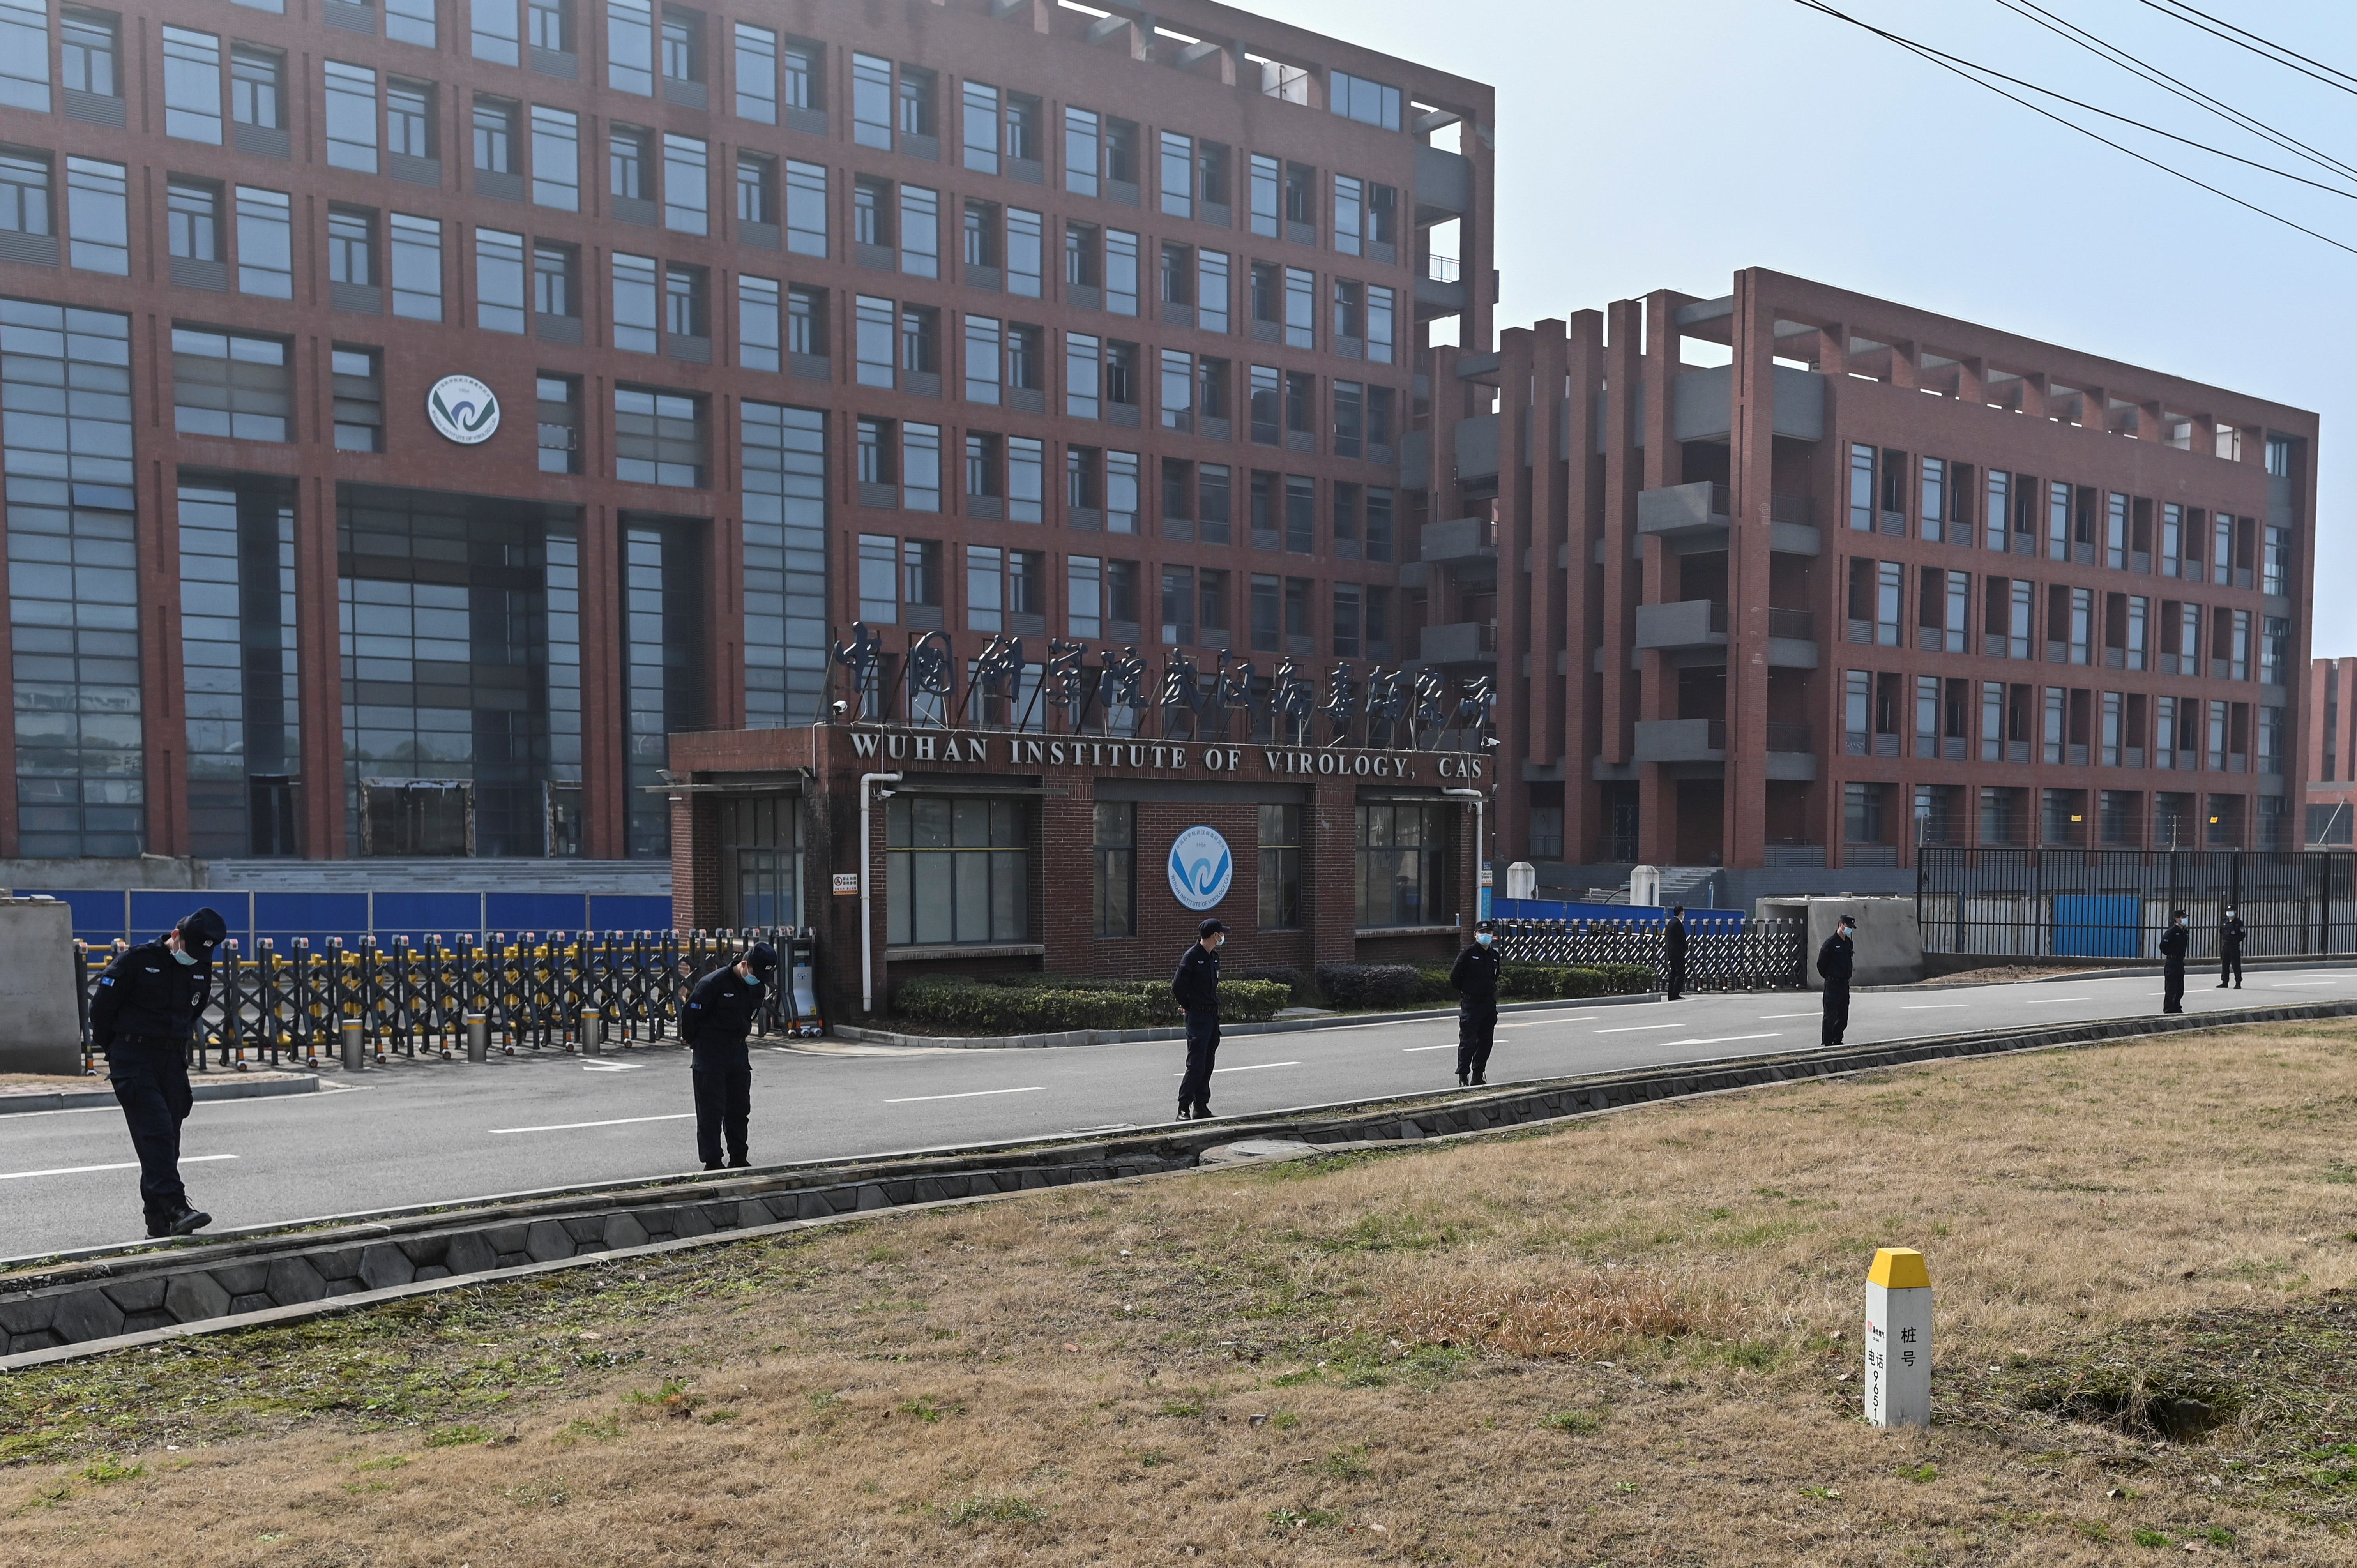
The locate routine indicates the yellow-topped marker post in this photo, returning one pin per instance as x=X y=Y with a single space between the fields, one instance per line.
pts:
x=1898 y=1339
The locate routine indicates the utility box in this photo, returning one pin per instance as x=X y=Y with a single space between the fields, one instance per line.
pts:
x=1889 y=943
x=40 y=1026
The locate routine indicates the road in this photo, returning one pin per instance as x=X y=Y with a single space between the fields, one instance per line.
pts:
x=433 y=1131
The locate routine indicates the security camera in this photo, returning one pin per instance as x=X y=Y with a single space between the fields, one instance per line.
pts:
x=886 y=794
x=841 y=706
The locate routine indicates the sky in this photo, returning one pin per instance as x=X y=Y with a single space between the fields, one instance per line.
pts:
x=1667 y=144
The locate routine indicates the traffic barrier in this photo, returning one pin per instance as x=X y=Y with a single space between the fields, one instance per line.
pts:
x=1738 y=953
x=564 y=992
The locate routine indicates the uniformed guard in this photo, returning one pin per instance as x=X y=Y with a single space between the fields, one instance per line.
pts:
x=2173 y=944
x=1836 y=960
x=1474 y=976
x=1197 y=987
x=148 y=1005
x=713 y=1025
x=2230 y=935
x=1673 y=953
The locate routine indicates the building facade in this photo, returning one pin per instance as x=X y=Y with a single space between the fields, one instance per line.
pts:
x=1795 y=580
x=967 y=317
x=2330 y=752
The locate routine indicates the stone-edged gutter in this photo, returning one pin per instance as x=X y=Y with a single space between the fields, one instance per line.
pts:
x=146 y=1296
x=15 y=1101
x=861 y=1034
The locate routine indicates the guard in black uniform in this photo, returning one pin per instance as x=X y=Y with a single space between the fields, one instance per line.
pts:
x=718 y=1015
x=1476 y=978
x=145 y=1007
x=1835 y=960
x=1197 y=986
x=2231 y=932
x=1673 y=953
x=2173 y=944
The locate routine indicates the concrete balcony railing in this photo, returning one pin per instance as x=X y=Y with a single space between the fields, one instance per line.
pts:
x=1687 y=623
x=1681 y=740
x=1695 y=517
x=1459 y=642
x=1461 y=541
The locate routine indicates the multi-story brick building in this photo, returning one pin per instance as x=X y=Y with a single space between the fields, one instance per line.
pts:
x=974 y=316
x=2330 y=752
x=1795 y=579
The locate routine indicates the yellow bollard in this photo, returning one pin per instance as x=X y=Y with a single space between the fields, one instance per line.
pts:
x=1898 y=1339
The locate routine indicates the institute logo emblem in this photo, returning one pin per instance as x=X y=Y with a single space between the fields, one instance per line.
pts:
x=463 y=409
x=1202 y=869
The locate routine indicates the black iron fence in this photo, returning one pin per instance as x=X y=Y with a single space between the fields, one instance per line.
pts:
x=561 y=992
x=2076 y=903
x=1731 y=954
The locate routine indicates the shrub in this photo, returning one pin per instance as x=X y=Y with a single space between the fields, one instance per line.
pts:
x=1283 y=974
x=1369 y=984
x=1039 y=1004
x=1432 y=984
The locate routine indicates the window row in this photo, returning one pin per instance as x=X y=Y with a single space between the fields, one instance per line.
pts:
x=2082 y=626
x=1954 y=503
x=906 y=582
x=2001 y=817
x=1954 y=720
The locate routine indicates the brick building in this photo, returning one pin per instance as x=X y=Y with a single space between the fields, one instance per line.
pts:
x=1804 y=578
x=2330 y=752
x=967 y=316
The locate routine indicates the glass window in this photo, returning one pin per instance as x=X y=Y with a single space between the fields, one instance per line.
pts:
x=548 y=25
x=257 y=87
x=559 y=434
x=351 y=246
x=230 y=385
x=1266 y=183
x=635 y=304
x=1368 y=103
x=265 y=243
x=984 y=338
x=688 y=185
x=871 y=102
x=682 y=41
x=553 y=291
x=986 y=586
x=1120 y=272
x=806 y=208
x=920 y=467
x=873 y=347
x=684 y=312
x=1403 y=865
x=359 y=389
x=805 y=74
x=1177 y=176
x=626 y=152
x=1113 y=867
x=979 y=127
x=499 y=281
x=25 y=204
x=921 y=231
x=757 y=74
x=409 y=22
x=630 y=46
x=757 y=188
x=658 y=437
x=495 y=134
x=416 y=267
x=409 y=117
x=556 y=158
x=1026 y=480
x=192 y=86
x=757 y=323
x=495 y=31
x=90 y=48
x=1026 y=252
x=98 y=217
x=957 y=870
x=880 y=579
x=1212 y=290
x=1084 y=362
x=1081 y=154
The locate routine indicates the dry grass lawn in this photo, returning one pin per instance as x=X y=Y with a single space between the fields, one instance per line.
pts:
x=1631 y=1340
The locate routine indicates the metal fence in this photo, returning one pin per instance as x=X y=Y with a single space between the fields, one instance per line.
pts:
x=562 y=992
x=2075 y=903
x=1726 y=954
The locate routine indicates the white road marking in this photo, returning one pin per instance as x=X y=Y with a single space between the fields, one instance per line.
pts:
x=618 y=1122
x=2299 y=984
x=1725 y=1039
x=1934 y=1006
x=1254 y=1067
x=970 y=1094
x=1764 y=1017
x=1634 y=1028
x=2052 y=1001
x=127 y=1166
x=1413 y=1049
x=612 y=1067
x=1535 y=1023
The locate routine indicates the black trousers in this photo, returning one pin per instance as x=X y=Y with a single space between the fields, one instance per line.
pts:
x=1203 y=1047
x=724 y=1105
x=1477 y=1031
x=1676 y=984
x=151 y=1081
x=2172 y=986
x=1836 y=1010
x=2230 y=967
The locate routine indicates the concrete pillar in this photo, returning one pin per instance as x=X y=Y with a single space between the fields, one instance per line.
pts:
x=40 y=1022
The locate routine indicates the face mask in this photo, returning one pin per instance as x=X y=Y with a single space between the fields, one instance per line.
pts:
x=1219 y=940
x=1484 y=937
x=185 y=956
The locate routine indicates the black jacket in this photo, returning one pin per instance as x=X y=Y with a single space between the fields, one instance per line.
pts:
x=2173 y=944
x=1673 y=940
x=719 y=1013
x=1834 y=958
x=2231 y=932
x=146 y=990
x=1475 y=976
x=1197 y=984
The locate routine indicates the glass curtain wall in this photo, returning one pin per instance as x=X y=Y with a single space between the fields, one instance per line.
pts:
x=663 y=614
x=237 y=645
x=784 y=486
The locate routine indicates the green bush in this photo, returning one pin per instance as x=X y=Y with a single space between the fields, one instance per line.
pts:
x=1040 y=1003
x=1370 y=984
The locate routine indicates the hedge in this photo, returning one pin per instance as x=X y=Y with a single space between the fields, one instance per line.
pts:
x=1395 y=985
x=1039 y=1004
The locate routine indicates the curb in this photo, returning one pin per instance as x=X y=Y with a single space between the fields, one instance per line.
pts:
x=76 y=1099
x=1227 y=1031
x=2120 y=969
x=143 y=1297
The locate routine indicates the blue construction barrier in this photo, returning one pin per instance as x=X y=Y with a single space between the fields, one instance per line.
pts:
x=135 y=914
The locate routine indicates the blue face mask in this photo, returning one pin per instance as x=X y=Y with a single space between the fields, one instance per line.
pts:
x=185 y=956
x=1484 y=937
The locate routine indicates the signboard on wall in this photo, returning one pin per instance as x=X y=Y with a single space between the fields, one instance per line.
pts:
x=1202 y=869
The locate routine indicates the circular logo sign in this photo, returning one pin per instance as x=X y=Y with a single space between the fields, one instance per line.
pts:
x=463 y=409
x=1201 y=868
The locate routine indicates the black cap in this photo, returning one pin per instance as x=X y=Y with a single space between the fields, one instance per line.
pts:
x=2176 y=914
x=1849 y=920
x=202 y=931
x=1208 y=927
x=1484 y=926
x=1677 y=909
x=761 y=959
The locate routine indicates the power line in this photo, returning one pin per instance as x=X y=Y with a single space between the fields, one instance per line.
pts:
x=2179 y=12
x=2135 y=66
x=1958 y=68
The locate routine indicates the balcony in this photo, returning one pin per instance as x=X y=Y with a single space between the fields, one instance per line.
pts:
x=1443 y=183
x=1459 y=642
x=1695 y=517
x=1681 y=740
x=1686 y=624
x=1464 y=541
